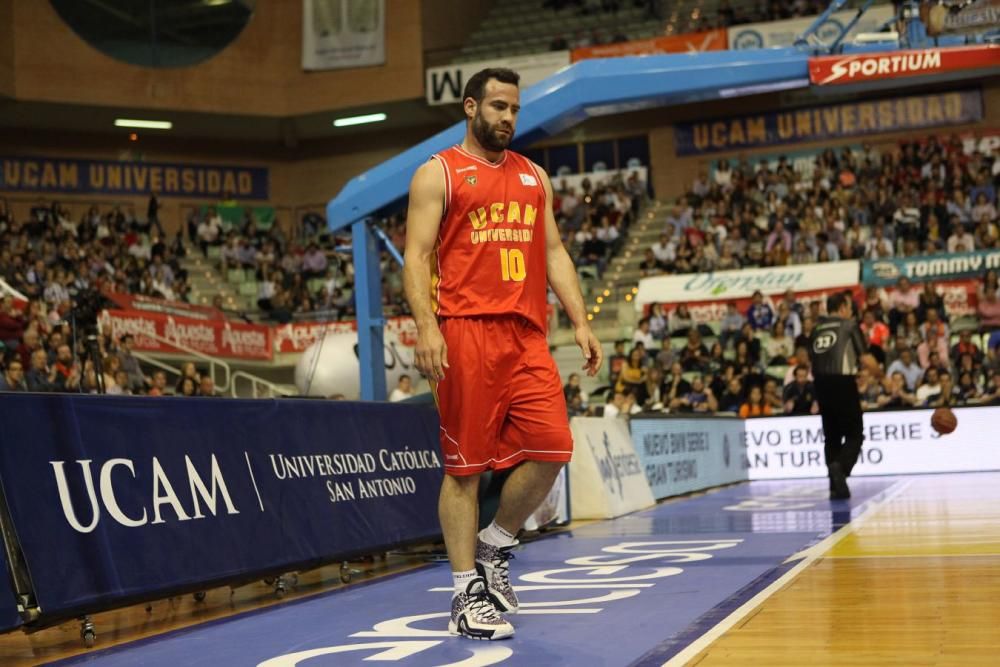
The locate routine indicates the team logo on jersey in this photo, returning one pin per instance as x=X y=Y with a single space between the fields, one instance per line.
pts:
x=528 y=179
x=471 y=179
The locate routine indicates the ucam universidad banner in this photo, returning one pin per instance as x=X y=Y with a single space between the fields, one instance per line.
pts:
x=681 y=455
x=128 y=497
x=80 y=176
x=828 y=122
x=729 y=285
x=883 y=272
x=896 y=443
x=862 y=67
x=784 y=33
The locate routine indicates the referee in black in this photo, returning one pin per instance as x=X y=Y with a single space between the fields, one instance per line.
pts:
x=836 y=348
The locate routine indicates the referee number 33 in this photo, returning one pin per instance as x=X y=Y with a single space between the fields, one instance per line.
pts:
x=512 y=266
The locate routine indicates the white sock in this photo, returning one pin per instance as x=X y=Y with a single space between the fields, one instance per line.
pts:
x=495 y=535
x=462 y=579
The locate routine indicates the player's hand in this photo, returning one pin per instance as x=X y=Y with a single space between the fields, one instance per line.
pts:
x=431 y=354
x=591 y=348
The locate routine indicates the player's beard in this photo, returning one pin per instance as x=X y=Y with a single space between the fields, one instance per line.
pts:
x=487 y=134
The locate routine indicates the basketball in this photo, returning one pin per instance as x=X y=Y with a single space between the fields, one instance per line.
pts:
x=944 y=421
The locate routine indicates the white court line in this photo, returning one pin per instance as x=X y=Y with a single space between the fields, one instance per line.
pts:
x=809 y=556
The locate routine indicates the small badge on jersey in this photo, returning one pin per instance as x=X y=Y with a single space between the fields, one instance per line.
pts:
x=471 y=179
x=528 y=179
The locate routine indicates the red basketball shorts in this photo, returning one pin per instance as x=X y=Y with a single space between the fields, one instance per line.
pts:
x=501 y=401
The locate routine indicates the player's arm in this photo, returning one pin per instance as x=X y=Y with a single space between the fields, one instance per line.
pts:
x=423 y=220
x=562 y=277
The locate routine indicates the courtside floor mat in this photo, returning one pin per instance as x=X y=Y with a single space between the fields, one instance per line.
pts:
x=634 y=590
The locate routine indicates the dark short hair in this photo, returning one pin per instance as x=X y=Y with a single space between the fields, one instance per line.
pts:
x=835 y=302
x=475 y=87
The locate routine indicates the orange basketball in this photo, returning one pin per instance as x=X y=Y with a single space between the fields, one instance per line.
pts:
x=944 y=421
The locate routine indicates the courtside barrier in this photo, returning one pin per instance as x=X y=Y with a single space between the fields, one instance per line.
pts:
x=10 y=619
x=606 y=476
x=896 y=443
x=118 y=499
x=689 y=453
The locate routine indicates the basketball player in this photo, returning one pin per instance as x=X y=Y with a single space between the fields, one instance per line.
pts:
x=481 y=245
x=836 y=348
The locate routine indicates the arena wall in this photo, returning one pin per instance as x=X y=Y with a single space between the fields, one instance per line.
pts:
x=256 y=74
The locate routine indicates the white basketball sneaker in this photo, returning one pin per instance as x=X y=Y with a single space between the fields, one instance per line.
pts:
x=474 y=615
x=493 y=565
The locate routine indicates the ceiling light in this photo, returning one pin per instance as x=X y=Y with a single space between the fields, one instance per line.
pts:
x=360 y=120
x=144 y=124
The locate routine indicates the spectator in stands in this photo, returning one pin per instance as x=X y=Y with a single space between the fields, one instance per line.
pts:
x=67 y=376
x=968 y=391
x=12 y=379
x=760 y=315
x=905 y=299
x=754 y=406
x=800 y=396
x=159 y=384
x=934 y=324
x=731 y=324
x=907 y=367
x=984 y=210
x=571 y=389
x=961 y=240
x=615 y=404
x=933 y=344
x=680 y=321
x=988 y=310
x=657 y=322
x=966 y=346
x=947 y=394
x=930 y=386
x=633 y=375
x=40 y=377
x=929 y=298
x=876 y=333
x=209 y=230
x=664 y=250
x=869 y=389
x=644 y=335
x=780 y=346
x=899 y=395
x=187 y=387
x=12 y=323
x=694 y=354
x=649 y=266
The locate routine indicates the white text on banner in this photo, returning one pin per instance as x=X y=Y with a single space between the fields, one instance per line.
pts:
x=444 y=85
x=606 y=476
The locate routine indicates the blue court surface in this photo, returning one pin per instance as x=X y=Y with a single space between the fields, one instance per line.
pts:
x=633 y=591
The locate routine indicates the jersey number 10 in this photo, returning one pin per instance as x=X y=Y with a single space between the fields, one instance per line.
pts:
x=512 y=265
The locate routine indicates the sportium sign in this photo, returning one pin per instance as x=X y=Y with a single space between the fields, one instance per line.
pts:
x=838 y=70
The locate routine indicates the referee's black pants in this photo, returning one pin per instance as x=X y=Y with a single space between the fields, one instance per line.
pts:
x=840 y=410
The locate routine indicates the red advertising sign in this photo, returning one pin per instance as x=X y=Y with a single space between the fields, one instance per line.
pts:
x=149 y=304
x=710 y=40
x=714 y=311
x=155 y=331
x=297 y=336
x=863 y=67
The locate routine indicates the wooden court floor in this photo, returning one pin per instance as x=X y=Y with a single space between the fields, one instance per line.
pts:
x=915 y=582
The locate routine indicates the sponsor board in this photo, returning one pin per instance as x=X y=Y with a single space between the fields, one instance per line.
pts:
x=682 y=455
x=896 y=443
x=729 y=285
x=235 y=340
x=811 y=124
x=945 y=266
x=606 y=475
x=298 y=336
x=714 y=311
x=784 y=33
x=82 y=176
x=693 y=42
x=444 y=85
x=152 y=305
x=858 y=68
x=960 y=17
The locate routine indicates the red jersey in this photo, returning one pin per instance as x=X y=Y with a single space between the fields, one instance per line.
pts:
x=491 y=244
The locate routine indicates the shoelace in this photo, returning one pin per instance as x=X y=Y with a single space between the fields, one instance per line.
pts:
x=482 y=606
x=501 y=561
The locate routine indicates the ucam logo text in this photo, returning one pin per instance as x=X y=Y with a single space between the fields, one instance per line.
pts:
x=598 y=580
x=121 y=473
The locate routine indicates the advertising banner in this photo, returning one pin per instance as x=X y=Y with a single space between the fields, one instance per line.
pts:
x=79 y=176
x=862 y=67
x=896 y=443
x=683 y=455
x=606 y=477
x=784 y=33
x=811 y=124
x=132 y=496
x=729 y=285
x=714 y=311
x=235 y=340
x=152 y=305
x=974 y=264
x=692 y=42
x=298 y=336
x=338 y=34
x=444 y=85
x=960 y=17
